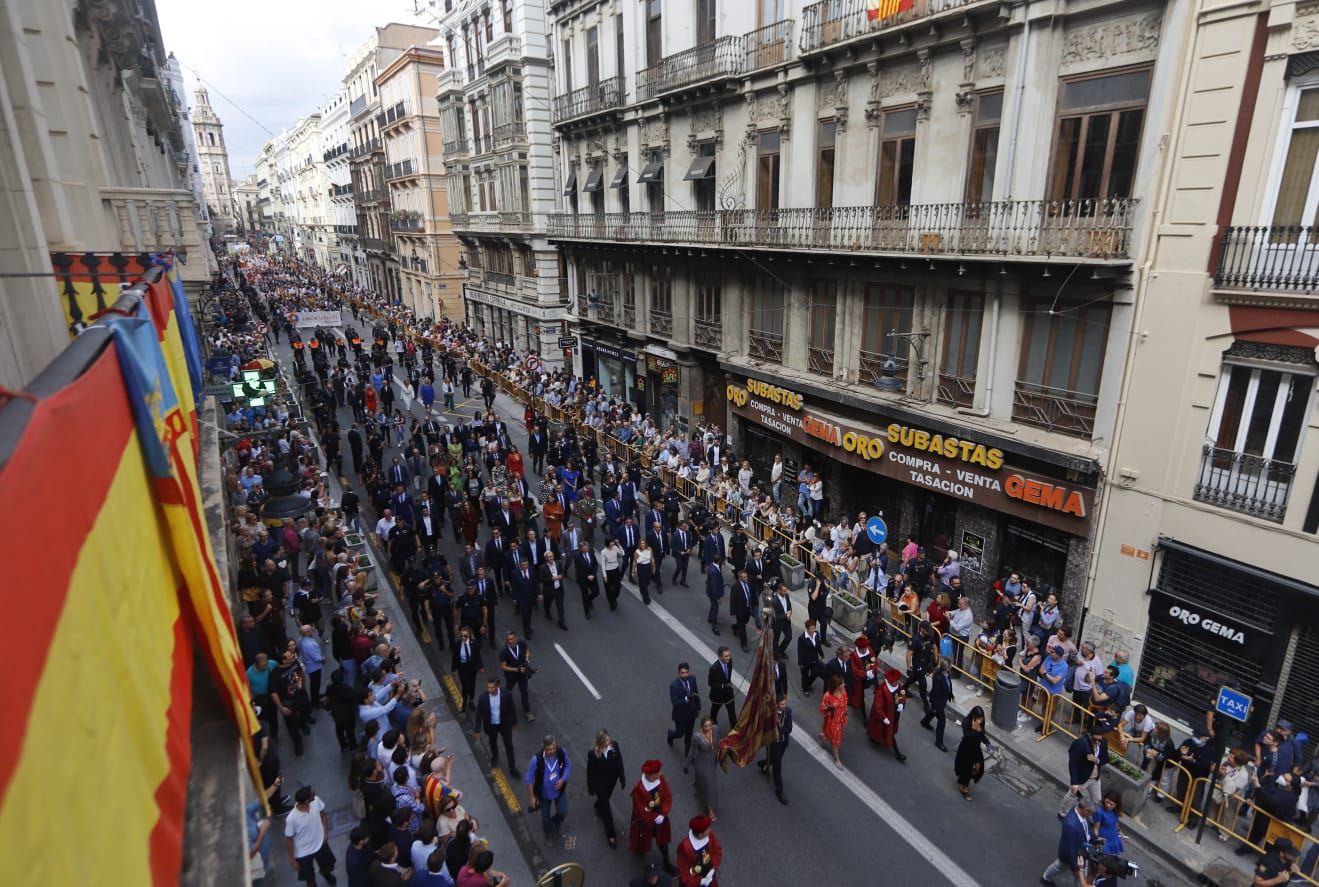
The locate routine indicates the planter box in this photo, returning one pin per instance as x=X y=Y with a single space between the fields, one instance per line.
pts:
x=849 y=614
x=794 y=572
x=355 y=540
x=366 y=565
x=1133 y=791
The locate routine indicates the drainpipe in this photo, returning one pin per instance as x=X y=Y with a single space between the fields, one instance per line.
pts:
x=1022 y=59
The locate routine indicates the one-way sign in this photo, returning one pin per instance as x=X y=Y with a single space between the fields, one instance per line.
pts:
x=566 y=342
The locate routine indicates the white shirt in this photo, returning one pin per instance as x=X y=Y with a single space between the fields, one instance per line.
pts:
x=383 y=527
x=306 y=829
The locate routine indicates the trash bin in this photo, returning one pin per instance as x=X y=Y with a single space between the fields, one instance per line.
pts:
x=1007 y=698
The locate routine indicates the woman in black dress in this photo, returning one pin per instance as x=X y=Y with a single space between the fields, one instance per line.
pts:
x=604 y=771
x=970 y=762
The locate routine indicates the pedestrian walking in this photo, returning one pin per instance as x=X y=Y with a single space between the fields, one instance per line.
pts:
x=699 y=855
x=941 y=693
x=586 y=566
x=1086 y=757
x=1071 y=844
x=808 y=657
x=720 y=680
x=652 y=801
x=833 y=708
x=685 y=701
x=781 y=619
x=969 y=765
x=643 y=566
x=714 y=590
x=604 y=771
x=773 y=763
x=886 y=713
x=495 y=717
x=288 y=690
x=305 y=829
x=920 y=661
x=611 y=560
x=547 y=785
x=702 y=757
x=515 y=663
x=466 y=662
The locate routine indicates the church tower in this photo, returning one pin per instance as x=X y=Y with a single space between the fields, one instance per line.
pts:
x=214 y=157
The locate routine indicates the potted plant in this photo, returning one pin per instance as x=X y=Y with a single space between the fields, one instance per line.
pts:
x=366 y=565
x=355 y=540
x=849 y=611
x=1131 y=783
x=794 y=572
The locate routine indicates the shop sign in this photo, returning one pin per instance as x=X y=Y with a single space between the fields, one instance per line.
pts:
x=964 y=469
x=603 y=349
x=666 y=369
x=973 y=552
x=1200 y=623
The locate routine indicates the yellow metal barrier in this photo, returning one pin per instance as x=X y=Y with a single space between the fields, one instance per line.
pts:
x=1236 y=817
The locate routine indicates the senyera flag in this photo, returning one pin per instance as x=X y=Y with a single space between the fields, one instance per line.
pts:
x=114 y=588
x=757 y=725
x=878 y=10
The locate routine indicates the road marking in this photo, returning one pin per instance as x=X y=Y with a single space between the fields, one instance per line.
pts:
x=853 y=783
x=577 y=671
x=454 y=692
x=506 y=790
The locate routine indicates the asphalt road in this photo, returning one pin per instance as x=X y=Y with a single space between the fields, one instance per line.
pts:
x=876 y=821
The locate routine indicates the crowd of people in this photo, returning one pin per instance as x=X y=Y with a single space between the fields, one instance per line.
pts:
x=575 y=503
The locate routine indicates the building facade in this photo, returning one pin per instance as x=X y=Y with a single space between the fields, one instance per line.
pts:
x=193 y=174
x=312 y=236
x=214 y=159
x=494 y=99
x=419 y=222
x=899 y=248
x=247 y=205
x=339 y=183
x=97 y=171
x=1208 y=562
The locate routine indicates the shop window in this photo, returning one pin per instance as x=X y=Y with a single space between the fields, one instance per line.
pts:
x=1254 y=434
x=823 y=317
x=888 y=311
x=1062 y=356
x=1098 y=136
x=765 y=319
x=961 y=348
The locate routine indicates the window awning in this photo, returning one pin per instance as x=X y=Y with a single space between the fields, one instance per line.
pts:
x=701 y=168
x=594 y=181
x=620 y=178
x=651 y=172
x=571 y=187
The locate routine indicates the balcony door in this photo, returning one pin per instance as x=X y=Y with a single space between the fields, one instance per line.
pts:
x=593 y=57
x=654 y=33
x=1291 y=248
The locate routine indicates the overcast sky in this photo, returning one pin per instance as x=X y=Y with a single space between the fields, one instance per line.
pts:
x=276 y=60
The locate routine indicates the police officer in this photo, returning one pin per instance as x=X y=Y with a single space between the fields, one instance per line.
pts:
x=1277 y=866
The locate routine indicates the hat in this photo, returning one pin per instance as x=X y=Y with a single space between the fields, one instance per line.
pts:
x=699 y=824
x=651 y=868
x=863 y=643
x=1284 y=725
x=892 y=675
x=1284 y=845
x=651 y=767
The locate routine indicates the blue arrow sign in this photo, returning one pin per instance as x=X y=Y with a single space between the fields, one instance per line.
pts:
x=876 y=530
x=1232 y=703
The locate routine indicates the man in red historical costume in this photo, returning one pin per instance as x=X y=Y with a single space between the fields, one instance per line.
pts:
x=651 y=803
x=882 y=725
x=865 y=668
x=699 y=855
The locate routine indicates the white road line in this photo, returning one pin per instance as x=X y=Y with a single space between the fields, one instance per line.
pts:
x=590 y=688
x=853 y=783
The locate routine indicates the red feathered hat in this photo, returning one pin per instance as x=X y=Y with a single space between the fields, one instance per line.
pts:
x=892 y=675
x=651 y=767
x=699 y=824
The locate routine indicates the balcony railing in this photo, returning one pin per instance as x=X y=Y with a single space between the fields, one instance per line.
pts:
x=366 y=148
x=628 y=316
x=709 y=333
x=1081 y=229
x=370 y=195
x=458 y=220
x=1279 y=257
x=394 y=114
x=1055 y=409
x=603 y=96
x=765 y=346
x=507 y=132
x=456 y=147
x=482 y=144
x=341 y=190
x=515 y=219
x=770 y=45
x=400 y=170
x=373 y=243
x=820 y=360
x=1242 y=482
x=721 y=58
x=499 y=278
x=356 y=105
x=958 y=391
x=414 y=226
x=151 y=220
x=661 y=322
x=829 y=22
x=870 y=367
x=481 y=220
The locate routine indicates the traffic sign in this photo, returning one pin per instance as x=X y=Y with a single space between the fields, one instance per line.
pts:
x=876 y=530
x=1233 y=703
x=567 y=342
x=263 y=329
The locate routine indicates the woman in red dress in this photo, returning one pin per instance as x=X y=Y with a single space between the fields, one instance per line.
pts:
x=469 y=522
x=514 y=462
x=833 y=707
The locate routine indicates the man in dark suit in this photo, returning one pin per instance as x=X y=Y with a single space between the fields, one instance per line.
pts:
x=741 y=602
x=488 y=591
x=715 y=453
x=496 y=716
x=714 y=591
x=659 y=548
x=773 y=762
x=840 y=665
x=535 y=549
x=808 y=657
x=526 y=594
x=471 y=561
x=570 y=540
x=781 y=621
x=428 y=529
x=501 y=518
x=538 y=444
x=681 y=542
x=587 y=567
x=515 y=663
x=1071 y=843
x=496 y=558
x=713 y=546
x=1086 y=757
x=466 y=662
x=613 y=515
x=720 y=681
x=551 y=587
x=685 y=699
x=628 y=537
x=627 y=492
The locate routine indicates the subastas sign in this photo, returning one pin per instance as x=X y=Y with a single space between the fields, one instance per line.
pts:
x=959 y=467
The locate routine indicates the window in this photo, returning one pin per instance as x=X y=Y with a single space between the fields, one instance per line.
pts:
x=887 y=309
x=1098 y=135
x=765 y=319
x=524 y=189
x=620 y=183
x=508 y=16
x=661 y=299
x=897 y=155
x=701 y=174
x=823 y=317
x=770 y=11
x=961 y=348
x=767 y=170
x=619 y=46
x=467 y=48
x=211 y=136
x=706 y=19
x=984 y=147
x=567 y=66
x=1298 y=192
x=1062 y=356
x=489 y=26
x=593 y=56
x=652 y=176
x=654 y=33
x=824 y=165
x=629 y=295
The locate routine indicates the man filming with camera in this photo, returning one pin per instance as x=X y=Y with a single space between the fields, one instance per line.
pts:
x=515 y=662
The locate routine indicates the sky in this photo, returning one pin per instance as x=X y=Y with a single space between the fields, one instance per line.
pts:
x=266 y=63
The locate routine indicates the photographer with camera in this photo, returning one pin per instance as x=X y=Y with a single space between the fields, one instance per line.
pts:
x=515 y=662
x=1105 y=870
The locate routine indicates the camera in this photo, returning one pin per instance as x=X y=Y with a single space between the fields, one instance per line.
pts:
x=1115 y=865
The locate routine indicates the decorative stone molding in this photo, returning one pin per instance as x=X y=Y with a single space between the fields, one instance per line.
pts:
x=991 y=64
x=1134 y=36
x=968 y=59
x=902 y=81
x=1305 y=32
x=965 y=98
x=923 y=102
x=1267 y=351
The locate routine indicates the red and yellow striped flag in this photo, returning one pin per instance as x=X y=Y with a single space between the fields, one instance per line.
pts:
x=878 y=10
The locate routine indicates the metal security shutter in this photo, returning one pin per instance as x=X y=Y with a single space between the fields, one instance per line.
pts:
x=1300 y=699
x=1180 y=675
x=1199 y=580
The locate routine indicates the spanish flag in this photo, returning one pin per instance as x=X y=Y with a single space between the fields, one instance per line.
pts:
x=878 y=10
x=110 y=571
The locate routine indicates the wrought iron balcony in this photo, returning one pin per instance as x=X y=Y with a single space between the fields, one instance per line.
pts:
x=400 y=170
x=455 y=148
x=957 y=391
x=366 y=149
x=396 y=113
x=499 y=278
x=408 y=225
x=1055 y=409
x=721 y=58
x=607 y=95
x=767 y=46
x=820 y=360
x=709 y=333
x=661 y=322
x=515 y=219
x=1279 y=257
x=1098 y=230
x=1242 y=482
x=765 y=346
x=830 y=22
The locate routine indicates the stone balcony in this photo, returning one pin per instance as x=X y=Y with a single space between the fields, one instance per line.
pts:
x=157 y=220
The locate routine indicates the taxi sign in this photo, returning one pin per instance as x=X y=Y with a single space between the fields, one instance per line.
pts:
x=1233 y=703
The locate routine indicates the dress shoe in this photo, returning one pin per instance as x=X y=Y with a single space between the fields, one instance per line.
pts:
x=514 y=772
x=716 y=629
x=783 y=800
x=902 y=759
x=941 y=747
x=927 y=725
x=562 y=626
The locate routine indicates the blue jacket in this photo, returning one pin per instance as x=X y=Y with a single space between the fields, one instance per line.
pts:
x=683 y=693
x=1075 y=835
x=714 y=582
x=1078 y=768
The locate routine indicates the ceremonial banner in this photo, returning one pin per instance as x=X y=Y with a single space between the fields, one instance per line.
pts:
x=305 y=319
x=88 y=283
x=757 y=725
